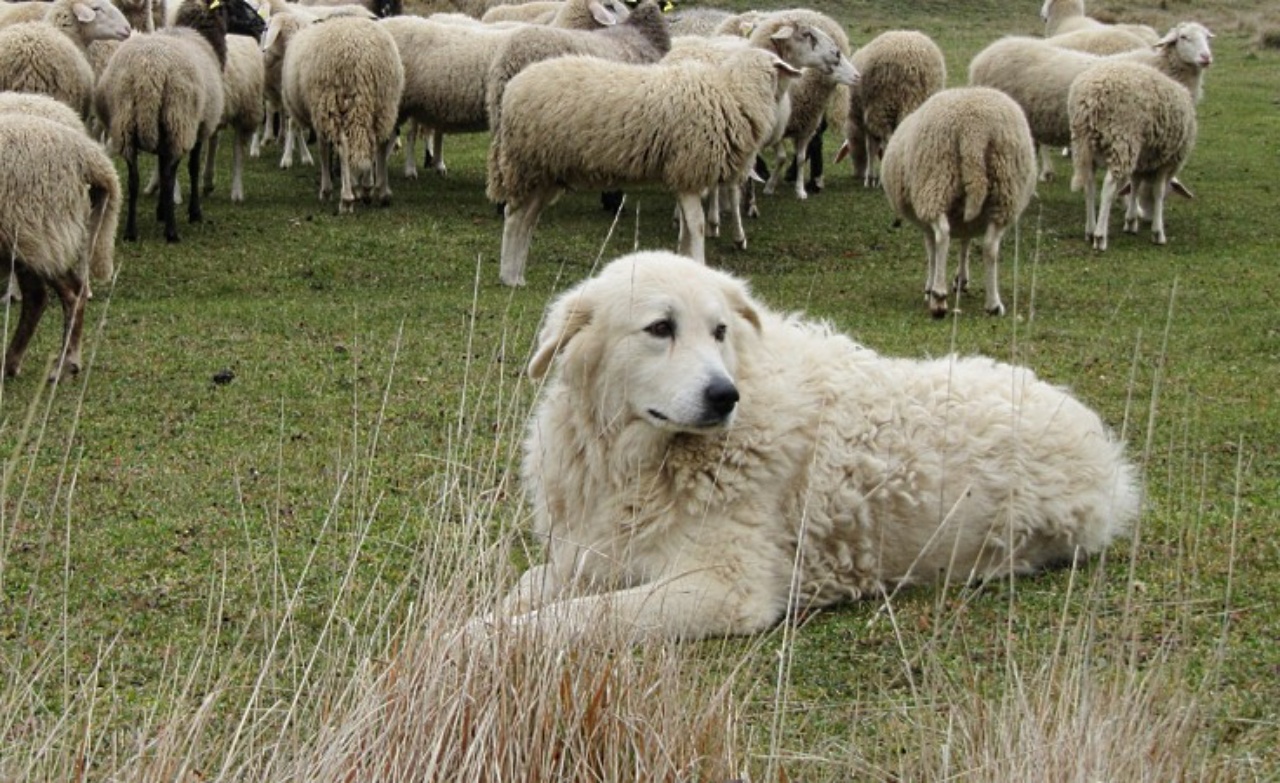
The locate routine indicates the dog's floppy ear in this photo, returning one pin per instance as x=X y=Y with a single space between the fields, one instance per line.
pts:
x=740 y=301
x=565 y=318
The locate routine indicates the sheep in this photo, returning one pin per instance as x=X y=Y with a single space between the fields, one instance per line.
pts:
x=162 y=93
x=1065 y=16
x=1038 y=75
x=17 y=13
x=1101 y=41
x=811 y=96
x=50 y=56
x=642 y=37
x=961 y=165
x=59 y=206
x=696 y=21
x=379 y=8
x=899 y=70
x=343 y=79
x=1141 y=125
x=585 y=122
x=242 y=112
x=447 y=67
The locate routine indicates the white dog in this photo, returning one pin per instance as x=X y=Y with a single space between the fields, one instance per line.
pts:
x=700 y=466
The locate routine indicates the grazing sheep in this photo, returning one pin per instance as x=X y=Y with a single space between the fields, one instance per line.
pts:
x=1141 y=125
x=50 y=56
x=59 y=204
x=162 y=93
x=642 y=37
x=447 y=67
x=1038 y=75
x=242 y=109
x=961 y=165
x=898 y=70
x=343 y=79
x=585 y=122
x=1066 y=16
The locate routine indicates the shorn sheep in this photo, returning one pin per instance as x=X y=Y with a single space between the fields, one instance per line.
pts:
x=962 y=165
x=1038 y=75
x=242 y=110
x=51 y=56
x=343 y=79
x=162 y=93
x=590 y=123
x=1066 y=16
x=899 y=70
x=59 y=204
x=1140 y=125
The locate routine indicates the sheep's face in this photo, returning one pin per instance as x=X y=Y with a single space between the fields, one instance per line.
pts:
x=243 y=19
x=1191 y=41
x=101 y=21
x=805 y=46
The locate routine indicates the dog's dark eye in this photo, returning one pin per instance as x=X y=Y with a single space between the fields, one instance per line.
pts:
x=664 y=328
x=719 y=333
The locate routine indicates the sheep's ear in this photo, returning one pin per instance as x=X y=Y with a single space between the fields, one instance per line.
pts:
x=843 y=152
x=1169 y=39
x=785 y=69
x=84 y=14
x=273 y=31
x=603 y=16
x=783 y=33
x=1176 y=186
x=565 y=318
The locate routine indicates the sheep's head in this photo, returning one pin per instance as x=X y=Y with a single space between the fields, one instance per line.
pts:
x=1191 y=42
x=243 y=19
x=99 y=20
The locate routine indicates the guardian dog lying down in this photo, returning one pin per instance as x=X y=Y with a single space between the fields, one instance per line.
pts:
x=699 y=465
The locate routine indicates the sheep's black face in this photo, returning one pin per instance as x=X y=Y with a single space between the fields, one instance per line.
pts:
x=243 y=19
x=387 y=8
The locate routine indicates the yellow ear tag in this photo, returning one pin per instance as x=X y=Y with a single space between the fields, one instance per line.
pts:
x=215 y=5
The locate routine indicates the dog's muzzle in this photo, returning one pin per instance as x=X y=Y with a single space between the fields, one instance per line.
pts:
x=719 y=399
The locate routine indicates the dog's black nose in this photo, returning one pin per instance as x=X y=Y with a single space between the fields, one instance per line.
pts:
x=721 y=395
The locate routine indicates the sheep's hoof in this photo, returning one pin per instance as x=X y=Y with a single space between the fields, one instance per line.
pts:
x=1047 y=176
x=937 y=304
x=997 y=309
x=1099 y=242
x=960 y=285
x=1159 y=239
x=69 y=368
x=741 y=244
x=513 y=282
x=410 y=173
x=802 y=195
x=286 y=163
x=12 y=367
x=346 y=207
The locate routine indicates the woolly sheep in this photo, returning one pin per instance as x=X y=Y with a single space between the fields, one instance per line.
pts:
x=1140 y=125
x=584 y=122
x=17 y=13
x=447 y=68
x=343 y=79
x=379 y=8
x=242 y=110
x=1038 y=75
x=537 y=12
x=811 y=96
x=1101 y=41
x=640 y=38
x=59 y=205
x=962 y=165
x=1066 y=16
x=696 y=21
x=50 y=56
x=899 y=70
x=162 y=93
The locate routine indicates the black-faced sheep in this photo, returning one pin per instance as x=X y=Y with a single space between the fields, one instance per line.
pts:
x=962 y=165
x=59 y=203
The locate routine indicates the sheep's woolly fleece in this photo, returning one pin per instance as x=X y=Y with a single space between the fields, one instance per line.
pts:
x=700 y=465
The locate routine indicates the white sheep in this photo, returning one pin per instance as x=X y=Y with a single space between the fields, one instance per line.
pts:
x=1140 y=125
x=536 y=12
x=816 y=93
x=162 y=93
x=243 y=109
x=26 y=11
x=1100 y=40
x=343 y=79
x=696 y=21
x=1066 y=16
x=59 y=205
x=962 y=165
x=640 y=37
x=379 y=8
x=899 y=70
x=50 y=56
x=1038 y=75
x=591 y=123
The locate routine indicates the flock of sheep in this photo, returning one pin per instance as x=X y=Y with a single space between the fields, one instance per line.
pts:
x=594 y=94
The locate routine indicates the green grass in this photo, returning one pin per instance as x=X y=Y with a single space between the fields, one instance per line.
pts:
x=168 y=542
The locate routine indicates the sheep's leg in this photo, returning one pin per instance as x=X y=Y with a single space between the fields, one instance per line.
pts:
x=237 y=166
x=813 y=154
x=937 y=241
x=34 y=298
x=194 y=213
x=1090 y=201
x=381 y=180
x=1108 y=198
x=961 y=283
x=71 y=290
x=131 y=217
x=326 y=161
x=872 y=163
x=286 y=154
x=735 y=215
x=779 y=168
x=410 y=137
x=437 y=152
x=693 y=227
x=346 y=196
x=712 y=211
x=517 y=234
x=1046 y=163
x=991 y=271
x=164 y=202
x=802 y=153
x=1159 y=187
x=210 y=158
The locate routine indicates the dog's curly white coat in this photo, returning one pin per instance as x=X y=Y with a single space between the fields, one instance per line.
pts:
x=699 y=465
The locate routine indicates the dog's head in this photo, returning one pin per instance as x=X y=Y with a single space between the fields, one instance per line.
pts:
x=654 y=337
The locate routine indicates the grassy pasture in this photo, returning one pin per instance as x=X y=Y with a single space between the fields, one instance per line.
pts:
x=256 y=579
